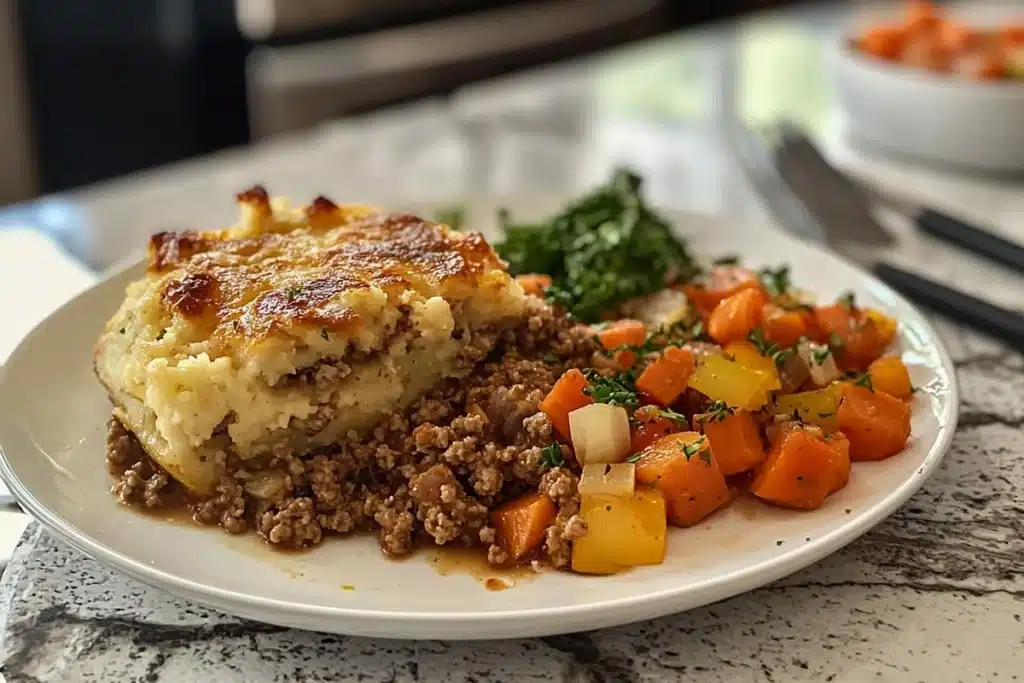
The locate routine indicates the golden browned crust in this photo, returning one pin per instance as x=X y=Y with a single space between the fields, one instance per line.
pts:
x=276 y=279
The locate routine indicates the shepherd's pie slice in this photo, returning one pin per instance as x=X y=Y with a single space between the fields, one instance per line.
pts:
x=293 y=328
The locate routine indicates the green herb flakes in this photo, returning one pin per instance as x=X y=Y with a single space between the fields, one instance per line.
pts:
x=617 y=391
x=775 y=280
x=551 y=456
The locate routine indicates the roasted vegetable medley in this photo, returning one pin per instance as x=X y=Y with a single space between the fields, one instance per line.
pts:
x=713 y=386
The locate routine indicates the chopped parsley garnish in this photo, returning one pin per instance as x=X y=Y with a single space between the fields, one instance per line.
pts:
x=729 y=260
x=766 y=348
x=635 y=457
x=324 y=334
x=863 y=380
x=775 y=280
x=293 y=292
x=718 y=411
x=617 y=391
x=601 y=250
x=821 y=355
x=551 y=456
x=691 y=449
x=847 y=300
x=678 y=418
x=453 y=216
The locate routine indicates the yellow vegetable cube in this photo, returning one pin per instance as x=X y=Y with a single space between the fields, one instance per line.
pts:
x=747 y=355
x=621 y=532
x=721 y=379
x=814 y=407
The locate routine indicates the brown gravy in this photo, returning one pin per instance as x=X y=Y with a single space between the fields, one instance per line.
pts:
x=448 y=561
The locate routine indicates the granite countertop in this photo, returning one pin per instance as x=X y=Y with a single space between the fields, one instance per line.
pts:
x=933 y=594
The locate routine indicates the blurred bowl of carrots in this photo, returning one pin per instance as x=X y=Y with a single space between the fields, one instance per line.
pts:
x=941 y=85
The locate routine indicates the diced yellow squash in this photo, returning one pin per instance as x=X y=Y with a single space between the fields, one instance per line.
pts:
x=721 y=379
x=747 y=355
x=621 y=532
x=817 y=407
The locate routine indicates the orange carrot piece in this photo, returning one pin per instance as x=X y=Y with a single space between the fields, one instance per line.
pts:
x=1012 y=34
x=838 y=442
x=926 y=51
x=647 y=426
x=735 y=440
x=624 y=332
x=956 y=36
x=884 y=42
x=534 y=283
x=683 y=467
x=521 y=523
x=890 y=375
x=799 y=473
x=735 y=317
x=877 y=424
x=723 y=282
x=666 y=378
x=861 y=340
x=782 y=327
x=566 y=396
x=992 y=66
x=886 y=325
x=922 y=17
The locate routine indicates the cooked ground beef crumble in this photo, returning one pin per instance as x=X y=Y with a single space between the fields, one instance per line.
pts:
x=434 y=471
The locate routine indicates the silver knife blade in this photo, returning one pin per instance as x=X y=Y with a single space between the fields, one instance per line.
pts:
x=842 y=207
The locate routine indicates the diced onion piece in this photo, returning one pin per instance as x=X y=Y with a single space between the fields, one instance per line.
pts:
x=793 y=373
x=610 y=479
x=266 y=484
x=600 y=433
x=660 y=309
x=820 y=361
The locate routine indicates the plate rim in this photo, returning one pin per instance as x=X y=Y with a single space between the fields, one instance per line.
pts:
x=533 y=621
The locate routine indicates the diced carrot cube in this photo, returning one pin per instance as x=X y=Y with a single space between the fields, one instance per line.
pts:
x=735 y=440
x=534 y=283
x=566 y=396
x=683 y=467
x=735 y=317
x=890 y=375
x=877 y=424
x=800 y=472
x=667 y=377
x=522 y=522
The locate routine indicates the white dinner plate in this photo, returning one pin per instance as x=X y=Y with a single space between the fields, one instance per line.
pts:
x=52 y=417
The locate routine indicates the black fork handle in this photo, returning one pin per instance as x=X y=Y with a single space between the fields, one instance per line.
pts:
x=974 y=239
x=963 y=308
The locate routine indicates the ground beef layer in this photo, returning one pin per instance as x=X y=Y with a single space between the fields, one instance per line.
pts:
x=434 y=471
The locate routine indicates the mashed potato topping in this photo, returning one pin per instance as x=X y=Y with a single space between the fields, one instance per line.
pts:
x=294 y=327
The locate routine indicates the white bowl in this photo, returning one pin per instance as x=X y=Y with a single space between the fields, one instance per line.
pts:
x=929 y=116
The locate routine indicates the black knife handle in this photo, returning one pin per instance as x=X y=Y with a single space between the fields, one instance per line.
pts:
x=962 y=308
x=981 y=242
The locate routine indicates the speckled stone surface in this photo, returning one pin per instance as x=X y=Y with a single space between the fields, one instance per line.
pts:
x=935 y=594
